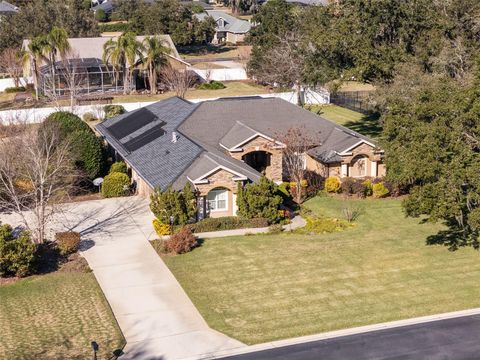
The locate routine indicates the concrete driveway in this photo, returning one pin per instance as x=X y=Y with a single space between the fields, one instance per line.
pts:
x=157 y=318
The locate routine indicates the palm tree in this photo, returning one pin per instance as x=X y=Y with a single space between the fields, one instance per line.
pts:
x=32 y=57
x=56 y=43
x=122 y=54
x=154 y=59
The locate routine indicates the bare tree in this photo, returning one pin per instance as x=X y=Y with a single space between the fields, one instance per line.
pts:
x=73 y=77
x=283 y=64
x=178 y=80
x=296 y=142
x=35 y=172
x=11 y=63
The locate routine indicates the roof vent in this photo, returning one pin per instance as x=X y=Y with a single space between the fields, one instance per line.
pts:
x=174 y=137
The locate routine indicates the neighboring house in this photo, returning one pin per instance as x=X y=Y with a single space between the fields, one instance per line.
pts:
x=229 y=29
x=86 y=55
x=7 y=8
x=217 y=144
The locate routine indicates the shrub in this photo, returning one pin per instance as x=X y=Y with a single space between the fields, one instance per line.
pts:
x=379 y=190
x=115 y=184
x=87 y=149
x=212 y=85
x=332 y=185
x=259 y=200
x=179 y=204
x=113 y=110
x=226 y=223
x=89 y=116
x=17 y=253
x=359 y=188
x=161 y=229
x=14 y=89
x=119 y=167
x=368 y=187
x=100 y=15
x=67 y=242
x=181 y=242
x=347 y=185
x=275 y=229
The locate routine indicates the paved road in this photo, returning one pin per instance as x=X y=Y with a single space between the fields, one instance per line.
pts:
x=452 y=339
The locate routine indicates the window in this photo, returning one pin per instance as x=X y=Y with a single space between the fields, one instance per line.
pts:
x=217 y=200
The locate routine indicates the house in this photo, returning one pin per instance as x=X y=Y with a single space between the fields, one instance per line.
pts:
x=229 y=29
x=7 y=8
x=96 y=77
x=216 y=144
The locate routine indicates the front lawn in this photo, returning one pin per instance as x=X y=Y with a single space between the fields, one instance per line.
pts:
x=56 y=316
x=267 y=287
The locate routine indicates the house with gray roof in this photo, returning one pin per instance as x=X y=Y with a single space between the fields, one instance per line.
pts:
x=7 y=8
x=229 y=28
x=217 y=144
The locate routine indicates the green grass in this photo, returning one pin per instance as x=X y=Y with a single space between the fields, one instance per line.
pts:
x=56 y=316
x=364 y=124
x=232 y=88
x=267 y=287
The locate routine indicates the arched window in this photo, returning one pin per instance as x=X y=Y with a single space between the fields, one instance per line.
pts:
x=217 y=200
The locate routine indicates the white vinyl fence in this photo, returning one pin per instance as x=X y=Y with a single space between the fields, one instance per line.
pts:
x=228 y=74
x=6 y=83
x=37 y=115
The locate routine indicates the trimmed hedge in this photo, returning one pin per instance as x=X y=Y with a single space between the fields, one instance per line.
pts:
x=115 y=185
x=13 y=89
x=227 y=223
x=212 y=85
x=67 y=242
x=332 y=185
x=119 y=167
x=161 y=229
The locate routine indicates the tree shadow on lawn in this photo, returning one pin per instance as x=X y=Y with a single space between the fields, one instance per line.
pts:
x=368 y=125
x=453 y=239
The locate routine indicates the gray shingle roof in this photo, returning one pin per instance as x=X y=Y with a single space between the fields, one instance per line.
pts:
x=237 y=134
x=6 y=8
x=231 y=23
x=161 y=161
x=202 y=127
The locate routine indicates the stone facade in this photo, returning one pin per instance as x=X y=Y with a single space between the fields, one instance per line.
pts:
x=220 y=179
x=143 y=189
x=275 y=170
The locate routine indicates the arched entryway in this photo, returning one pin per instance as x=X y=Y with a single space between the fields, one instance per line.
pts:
x=359 y=166
x=259 y=160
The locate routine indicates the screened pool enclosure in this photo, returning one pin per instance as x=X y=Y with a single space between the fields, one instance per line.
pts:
x=84 y=77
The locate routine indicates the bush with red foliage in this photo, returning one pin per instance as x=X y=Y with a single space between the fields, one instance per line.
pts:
x=181 y=242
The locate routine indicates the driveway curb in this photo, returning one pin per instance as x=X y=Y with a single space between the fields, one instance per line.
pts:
x=339 y=333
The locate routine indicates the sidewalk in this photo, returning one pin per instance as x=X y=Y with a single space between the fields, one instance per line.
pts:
x=297 y=222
